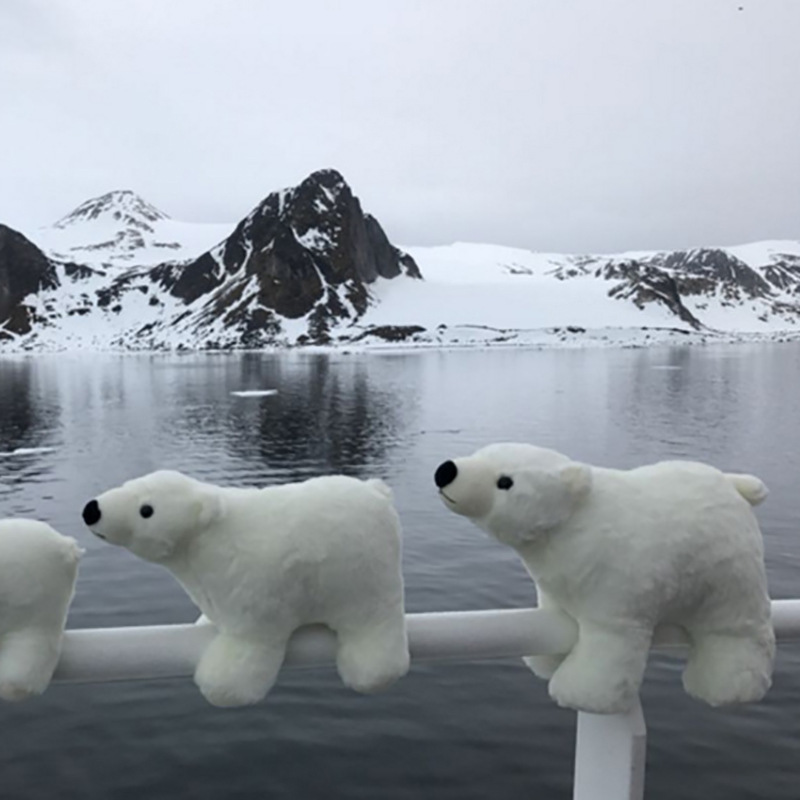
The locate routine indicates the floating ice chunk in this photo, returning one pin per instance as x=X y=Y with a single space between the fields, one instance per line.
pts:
x=255 y=393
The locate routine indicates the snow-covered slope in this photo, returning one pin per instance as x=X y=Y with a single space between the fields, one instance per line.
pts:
x=307 y=266
x=121 y=229
x=503 y=287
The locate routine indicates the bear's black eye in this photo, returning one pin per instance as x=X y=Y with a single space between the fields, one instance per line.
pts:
x=504 y=482
x=146 y=511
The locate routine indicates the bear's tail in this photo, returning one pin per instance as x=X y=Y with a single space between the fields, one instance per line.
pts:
x=381 y=488
x=751 y=488
x=71 y=550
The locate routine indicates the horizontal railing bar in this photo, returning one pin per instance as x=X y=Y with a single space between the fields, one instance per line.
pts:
x=172 y=651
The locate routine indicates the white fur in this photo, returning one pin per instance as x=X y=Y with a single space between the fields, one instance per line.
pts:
x=623 y=551
x=260 y=563
x=38 y=568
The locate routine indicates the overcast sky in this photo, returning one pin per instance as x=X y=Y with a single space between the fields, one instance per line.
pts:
x=572 y=126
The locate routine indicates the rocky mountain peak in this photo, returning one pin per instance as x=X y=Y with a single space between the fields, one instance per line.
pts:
x=308 y=251
x=313 y=212
x=115 y=228
x=123 y=208
x=330 y=181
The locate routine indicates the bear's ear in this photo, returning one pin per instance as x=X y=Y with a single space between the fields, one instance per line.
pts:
x=578 y=479
x=208 y=508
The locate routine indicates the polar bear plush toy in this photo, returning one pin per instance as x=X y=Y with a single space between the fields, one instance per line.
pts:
x=260 y=563
x=622 y=552
x=38 y=568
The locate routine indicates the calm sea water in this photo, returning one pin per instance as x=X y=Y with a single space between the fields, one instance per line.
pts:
x=483 y=730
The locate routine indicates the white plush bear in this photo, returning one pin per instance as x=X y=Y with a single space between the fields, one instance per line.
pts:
x=38 y=567
x=260 y=563
x=621 y=551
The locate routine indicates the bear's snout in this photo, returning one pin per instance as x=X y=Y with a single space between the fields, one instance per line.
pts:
x=91 y=513
x=445 y=474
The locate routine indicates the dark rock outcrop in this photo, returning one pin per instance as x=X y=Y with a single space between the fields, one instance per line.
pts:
x=303 y=246
x=24 y=270
x=701 y=272
x=644 y=283
x=691 y=278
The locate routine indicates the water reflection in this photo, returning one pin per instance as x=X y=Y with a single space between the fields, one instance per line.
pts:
x=28 y=413
x=329 y=416
x=474 y=730
x=29 y=423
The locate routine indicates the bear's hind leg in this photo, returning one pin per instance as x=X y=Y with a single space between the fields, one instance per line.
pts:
x=370 y=658
x=239 y=671
x=27 y=662
x=725 y=668
x=603 y=672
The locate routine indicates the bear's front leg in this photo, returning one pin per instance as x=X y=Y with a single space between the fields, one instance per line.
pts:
x=372 y=656
x=239 y=671
x=27 y=662
x=603 y=672
x=545 y=666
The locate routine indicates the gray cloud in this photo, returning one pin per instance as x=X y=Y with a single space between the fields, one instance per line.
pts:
x=569 y=126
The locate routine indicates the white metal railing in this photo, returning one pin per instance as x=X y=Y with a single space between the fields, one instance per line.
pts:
x=610 y=749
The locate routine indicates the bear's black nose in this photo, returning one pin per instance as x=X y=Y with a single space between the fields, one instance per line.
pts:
x=445 y=474
x=91 y=513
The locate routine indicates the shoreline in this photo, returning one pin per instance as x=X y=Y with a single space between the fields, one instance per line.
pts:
x=455 y=338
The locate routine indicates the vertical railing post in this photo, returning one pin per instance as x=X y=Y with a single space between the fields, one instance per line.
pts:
x=609 y=756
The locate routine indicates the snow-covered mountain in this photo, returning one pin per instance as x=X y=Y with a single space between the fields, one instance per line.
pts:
x=307 y=266
x=121 y=229
x=298 y=266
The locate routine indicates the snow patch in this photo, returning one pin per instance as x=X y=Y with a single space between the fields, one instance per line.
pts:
x=27 y=451
x=314 y=239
